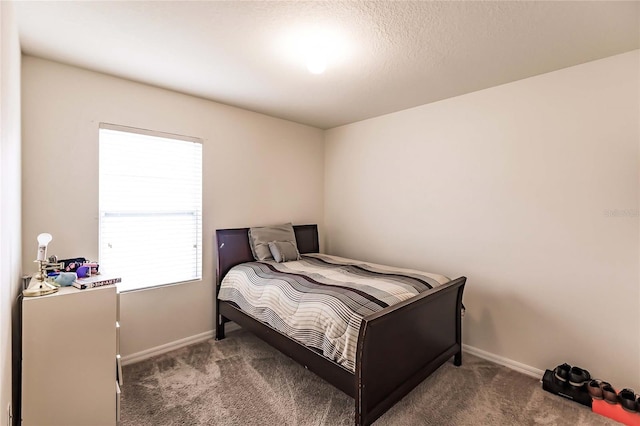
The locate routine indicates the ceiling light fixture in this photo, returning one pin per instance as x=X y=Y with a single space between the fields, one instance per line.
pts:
x=316 y=48
x=316 y=63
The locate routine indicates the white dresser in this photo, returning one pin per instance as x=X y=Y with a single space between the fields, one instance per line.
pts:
x=69 y=358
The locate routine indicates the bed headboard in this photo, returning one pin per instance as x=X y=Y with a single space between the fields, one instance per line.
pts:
x=232 y=246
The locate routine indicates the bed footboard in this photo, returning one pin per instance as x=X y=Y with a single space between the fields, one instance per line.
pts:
x=401 y=345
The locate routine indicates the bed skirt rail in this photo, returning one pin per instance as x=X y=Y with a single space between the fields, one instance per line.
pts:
x=401 y=345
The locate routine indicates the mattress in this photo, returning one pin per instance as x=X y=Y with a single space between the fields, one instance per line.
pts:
x=320 y=300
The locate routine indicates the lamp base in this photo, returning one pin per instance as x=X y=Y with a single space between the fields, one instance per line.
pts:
x=39 y=288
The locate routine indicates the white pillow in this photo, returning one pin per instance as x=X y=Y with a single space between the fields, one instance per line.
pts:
x=283 y=251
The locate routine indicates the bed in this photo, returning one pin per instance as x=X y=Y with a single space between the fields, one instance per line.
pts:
x=396 y=348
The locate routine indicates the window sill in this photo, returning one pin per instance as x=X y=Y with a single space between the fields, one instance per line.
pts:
x=123 y=288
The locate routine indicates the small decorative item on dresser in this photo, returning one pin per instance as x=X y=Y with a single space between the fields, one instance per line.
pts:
x=65 y=279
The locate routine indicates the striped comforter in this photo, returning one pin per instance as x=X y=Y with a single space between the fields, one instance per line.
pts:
x=320 y=300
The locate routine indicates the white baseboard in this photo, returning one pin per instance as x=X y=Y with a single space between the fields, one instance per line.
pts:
x=509 y=363
x=159 y=350
x=176 y=344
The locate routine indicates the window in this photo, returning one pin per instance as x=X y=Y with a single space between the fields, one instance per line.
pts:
x=150 y=198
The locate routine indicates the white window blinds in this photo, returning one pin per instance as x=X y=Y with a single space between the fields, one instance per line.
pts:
x=150 y=207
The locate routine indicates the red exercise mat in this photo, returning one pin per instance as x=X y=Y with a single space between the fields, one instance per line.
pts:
x=615 y=412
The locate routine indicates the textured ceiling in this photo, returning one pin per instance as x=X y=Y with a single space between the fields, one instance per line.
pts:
x=395 y=55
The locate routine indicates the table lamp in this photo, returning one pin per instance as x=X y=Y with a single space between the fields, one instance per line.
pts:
x=40 y=284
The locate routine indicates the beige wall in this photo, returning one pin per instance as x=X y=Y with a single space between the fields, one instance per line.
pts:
x=10 y=237
x=257 y=170
x=530 y=189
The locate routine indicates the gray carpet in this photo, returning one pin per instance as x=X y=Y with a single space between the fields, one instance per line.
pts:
x=243 y=381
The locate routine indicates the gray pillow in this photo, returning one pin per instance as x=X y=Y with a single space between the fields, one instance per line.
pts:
x=260 y=237
x=283 y=251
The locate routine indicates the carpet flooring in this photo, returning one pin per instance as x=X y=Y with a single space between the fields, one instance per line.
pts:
x=243 y=381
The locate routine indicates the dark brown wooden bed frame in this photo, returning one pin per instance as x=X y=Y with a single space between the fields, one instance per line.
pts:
x=398 y=347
